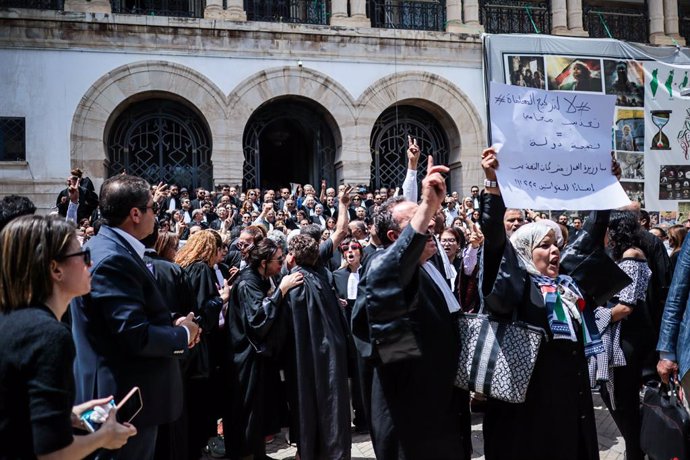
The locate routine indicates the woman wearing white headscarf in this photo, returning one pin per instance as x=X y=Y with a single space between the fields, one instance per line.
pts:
x=557 y=418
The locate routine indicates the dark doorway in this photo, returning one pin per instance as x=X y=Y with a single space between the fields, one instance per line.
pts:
x=288 y=140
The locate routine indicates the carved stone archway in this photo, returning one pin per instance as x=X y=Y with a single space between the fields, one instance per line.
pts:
x=108 y=96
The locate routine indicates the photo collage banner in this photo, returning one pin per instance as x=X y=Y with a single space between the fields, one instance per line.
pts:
x=651 y=126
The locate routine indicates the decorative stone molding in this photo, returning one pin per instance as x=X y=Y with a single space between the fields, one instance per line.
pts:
x=87 y=6
x=278 y=82
x=452 y=108
x=109 y=95
x=351 y=120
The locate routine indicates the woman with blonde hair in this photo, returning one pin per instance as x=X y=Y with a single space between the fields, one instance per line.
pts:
x=198 y=257
x=42 y=267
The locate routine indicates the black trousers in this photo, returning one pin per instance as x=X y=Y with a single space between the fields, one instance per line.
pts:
x=626 y=387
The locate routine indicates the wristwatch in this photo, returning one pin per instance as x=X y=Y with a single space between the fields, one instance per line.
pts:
x=490 y=183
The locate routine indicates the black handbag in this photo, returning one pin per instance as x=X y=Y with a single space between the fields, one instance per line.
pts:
x=497 y=358
x=665 y=424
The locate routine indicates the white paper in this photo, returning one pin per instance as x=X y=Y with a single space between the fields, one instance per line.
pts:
x=556 y=149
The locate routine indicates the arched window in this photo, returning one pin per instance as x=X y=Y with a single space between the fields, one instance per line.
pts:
x=389 y=144
x=161 y=140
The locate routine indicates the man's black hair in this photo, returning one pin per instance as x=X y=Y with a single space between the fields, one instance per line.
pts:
x=313 y=230
x=13 y=206
x=119 y=195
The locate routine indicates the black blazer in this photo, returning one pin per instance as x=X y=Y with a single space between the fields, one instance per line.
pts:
x=124 y=335
x=88 y=202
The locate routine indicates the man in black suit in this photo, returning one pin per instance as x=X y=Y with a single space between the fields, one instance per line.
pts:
x=123 y=330
x=172 y=202
x=198 y=202
x=86 y=200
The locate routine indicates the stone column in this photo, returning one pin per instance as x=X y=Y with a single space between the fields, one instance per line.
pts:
x=671 y=21
x=84 y=6
x=214 y=9
x=339 y=13
x=559 y=18
x=358 y=14
x=575 y=18
x=656 y=23
x=235 y=11
x=454 y=13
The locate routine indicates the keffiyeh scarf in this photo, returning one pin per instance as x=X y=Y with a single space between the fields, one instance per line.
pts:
x=564 y=303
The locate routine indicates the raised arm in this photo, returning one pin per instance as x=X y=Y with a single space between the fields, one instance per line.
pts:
x=343 y=217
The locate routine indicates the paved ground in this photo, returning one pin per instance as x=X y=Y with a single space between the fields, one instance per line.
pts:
x=611 y=445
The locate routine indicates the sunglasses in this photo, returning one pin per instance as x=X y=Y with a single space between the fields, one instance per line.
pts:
x=353 y=246
x=155 y=207
x=86 y=254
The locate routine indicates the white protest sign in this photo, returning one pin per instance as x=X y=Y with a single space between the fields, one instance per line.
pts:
x=556 y=151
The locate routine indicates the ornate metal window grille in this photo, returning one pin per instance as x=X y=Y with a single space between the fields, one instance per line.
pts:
x=323 y=147
x=34 y=4
x=161 y=140
x=291 y=11
x=12 y=139
x=629 y=23
x=511 y=17
x=389 y=144
x=402 y=14
x=178 y=8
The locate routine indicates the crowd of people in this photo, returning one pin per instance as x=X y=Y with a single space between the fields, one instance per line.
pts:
x=254 y=310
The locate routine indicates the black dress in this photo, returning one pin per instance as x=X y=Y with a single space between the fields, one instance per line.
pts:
x=557 y=418
x=255 y=328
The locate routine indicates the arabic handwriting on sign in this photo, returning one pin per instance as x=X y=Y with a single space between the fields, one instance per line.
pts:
x=575 y=106
x=534 y=143
x=543 y=104
x=564 y=171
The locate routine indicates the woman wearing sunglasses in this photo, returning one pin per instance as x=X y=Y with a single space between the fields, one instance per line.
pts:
x=42 y=267
x=254 y=327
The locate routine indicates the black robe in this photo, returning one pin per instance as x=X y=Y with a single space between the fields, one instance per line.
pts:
x=557 y=418
x=402 y=324
x=255 y=329
x=203 y=371
x=317 y=368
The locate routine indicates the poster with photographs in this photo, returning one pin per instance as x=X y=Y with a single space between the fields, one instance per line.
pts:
x=674 y=182
x=574 y=74
x=634 y=190
x=629 y=130
x=527 y=71
x=625 y=80
x=667 y=135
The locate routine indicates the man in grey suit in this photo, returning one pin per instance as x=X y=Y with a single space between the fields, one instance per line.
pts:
x=122 y=329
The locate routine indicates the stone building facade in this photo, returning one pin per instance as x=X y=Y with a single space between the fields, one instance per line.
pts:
x=224 y=99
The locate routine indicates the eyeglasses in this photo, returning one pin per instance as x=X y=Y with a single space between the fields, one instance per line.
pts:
x=86 y=254
x=353 y=246
x=155 y=207
x=280 y=259
x=356 y=199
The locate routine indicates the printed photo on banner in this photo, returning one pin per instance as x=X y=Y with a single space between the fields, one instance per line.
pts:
x=632 y=165
x=668 y=218
x=674 y=182
x=527 y=71
x=683 y=210
x=634 y=190
x=629 y=131
x=625 y=80
x=574 y=74
x=653 y=218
